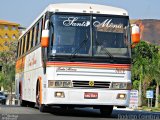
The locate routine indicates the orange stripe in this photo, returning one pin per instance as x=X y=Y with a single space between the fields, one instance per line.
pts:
x=20 y=65
x=89 y=65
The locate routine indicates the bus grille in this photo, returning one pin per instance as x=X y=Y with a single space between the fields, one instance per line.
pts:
x=91 y=84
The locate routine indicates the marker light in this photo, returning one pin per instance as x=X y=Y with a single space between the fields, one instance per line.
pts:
x=135 y=34
x=45 y=38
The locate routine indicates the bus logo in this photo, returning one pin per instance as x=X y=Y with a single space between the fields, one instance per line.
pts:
x=91 y=83
x=73 y=21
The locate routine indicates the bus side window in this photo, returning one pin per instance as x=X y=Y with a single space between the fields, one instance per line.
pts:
x=20 y=44
x=33 y=37
x=39 y=31
x=43 y=22
x=51 y=31
x=36 y=34
x=24 y=44
x=22 y=41
x=27 y=45
x=26 y=40
x=17 y=50
x=31 y=44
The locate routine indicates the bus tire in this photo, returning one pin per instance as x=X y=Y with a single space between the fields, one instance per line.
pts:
x=106 y=111
x=42 y=108
x=23 y=103
x=31 y=104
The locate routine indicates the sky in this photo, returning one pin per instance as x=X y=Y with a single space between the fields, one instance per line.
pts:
x=25 y=11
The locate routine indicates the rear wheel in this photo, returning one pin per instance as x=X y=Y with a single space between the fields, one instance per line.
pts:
x=31 y=104
x=22 y=102
x=106 y=111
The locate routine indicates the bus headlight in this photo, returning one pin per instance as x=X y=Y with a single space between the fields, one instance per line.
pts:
x=51 y=83
x=59 y=83
x=67 y=84
x=121 y=85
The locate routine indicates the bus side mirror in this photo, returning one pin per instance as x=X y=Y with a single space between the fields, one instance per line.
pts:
x=135 y=35
x=45 y=38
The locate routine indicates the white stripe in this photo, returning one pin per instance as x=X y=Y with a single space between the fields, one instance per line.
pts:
x=45 y=33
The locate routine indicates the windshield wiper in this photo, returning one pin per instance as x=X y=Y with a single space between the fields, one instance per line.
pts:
x=105 y=49
x=76 y=50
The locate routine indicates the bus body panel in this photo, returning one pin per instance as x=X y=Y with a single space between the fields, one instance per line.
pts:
x=28 y=78
x=76 y=97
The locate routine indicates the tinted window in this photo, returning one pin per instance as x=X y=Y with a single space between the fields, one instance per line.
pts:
x=71 y=34
x=110 y=36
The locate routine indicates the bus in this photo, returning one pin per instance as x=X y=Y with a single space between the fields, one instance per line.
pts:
x=76 y=55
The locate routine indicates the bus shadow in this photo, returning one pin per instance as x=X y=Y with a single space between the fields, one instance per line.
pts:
x=76 y=112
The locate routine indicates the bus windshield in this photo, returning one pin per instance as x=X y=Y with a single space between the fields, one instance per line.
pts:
x=86 y=35
x=71 y=33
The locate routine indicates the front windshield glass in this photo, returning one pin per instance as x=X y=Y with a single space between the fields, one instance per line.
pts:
x=89 y=35
x=111 y=36
x=71 y=35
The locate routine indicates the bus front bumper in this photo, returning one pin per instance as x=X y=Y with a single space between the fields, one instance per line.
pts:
x=86 y=97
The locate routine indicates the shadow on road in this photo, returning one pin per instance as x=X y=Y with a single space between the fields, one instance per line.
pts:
x=76 y=112
x=93 y=113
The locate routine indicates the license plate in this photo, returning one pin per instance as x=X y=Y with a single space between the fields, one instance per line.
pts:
x=90 y=95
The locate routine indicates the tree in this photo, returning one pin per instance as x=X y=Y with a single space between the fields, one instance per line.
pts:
x=155 y=70
x=2 y=79
x=141 y=59
x=7 y=60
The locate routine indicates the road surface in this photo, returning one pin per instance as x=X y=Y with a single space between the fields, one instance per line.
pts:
x=27 y=113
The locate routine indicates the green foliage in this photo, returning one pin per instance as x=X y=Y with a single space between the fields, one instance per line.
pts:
x=159 y=98
x=141 y=56
x=7 y=60
x=146 y=67
x=135 y=84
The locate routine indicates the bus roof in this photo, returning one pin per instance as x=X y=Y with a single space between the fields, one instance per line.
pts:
x=81 y=8
x=86 y=8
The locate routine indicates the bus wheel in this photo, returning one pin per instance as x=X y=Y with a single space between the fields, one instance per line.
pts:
x=106 y=111
x=23 y=103
x=31 y=104
x=40 y=106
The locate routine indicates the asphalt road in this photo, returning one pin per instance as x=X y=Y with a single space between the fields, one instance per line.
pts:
x=26 y=113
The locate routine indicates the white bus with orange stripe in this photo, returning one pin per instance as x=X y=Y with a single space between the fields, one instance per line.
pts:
x=76 y=55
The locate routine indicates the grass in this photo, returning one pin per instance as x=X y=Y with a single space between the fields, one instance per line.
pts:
x=153 y=109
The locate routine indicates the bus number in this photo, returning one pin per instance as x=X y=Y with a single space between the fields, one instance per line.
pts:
x=120 y=70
